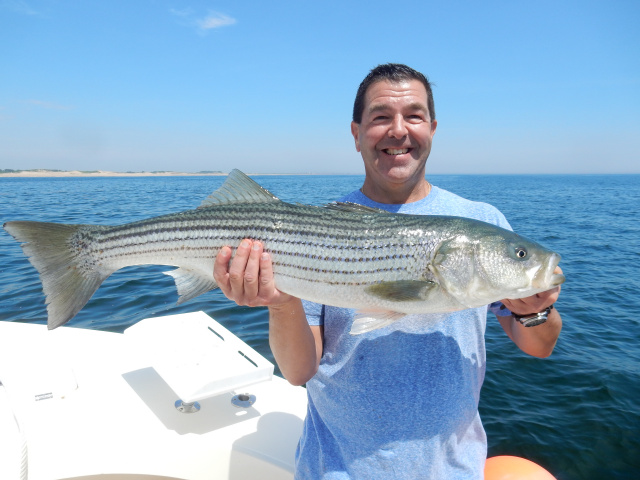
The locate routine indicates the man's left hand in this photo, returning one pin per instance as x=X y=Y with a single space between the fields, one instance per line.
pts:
x=535 y=303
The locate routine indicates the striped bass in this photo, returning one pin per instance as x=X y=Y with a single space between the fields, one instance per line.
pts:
x=384 y=265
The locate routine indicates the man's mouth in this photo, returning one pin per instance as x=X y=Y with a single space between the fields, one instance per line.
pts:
x=395 y=151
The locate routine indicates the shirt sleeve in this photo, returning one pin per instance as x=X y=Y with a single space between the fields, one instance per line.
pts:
x=499 y=310
x=314 y=312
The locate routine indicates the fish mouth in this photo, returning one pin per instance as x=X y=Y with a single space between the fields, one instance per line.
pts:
x=545 y=278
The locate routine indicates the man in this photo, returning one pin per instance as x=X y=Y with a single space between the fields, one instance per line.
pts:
x=400 y=402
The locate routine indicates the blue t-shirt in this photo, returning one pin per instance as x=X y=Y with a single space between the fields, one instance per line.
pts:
x=400 y=402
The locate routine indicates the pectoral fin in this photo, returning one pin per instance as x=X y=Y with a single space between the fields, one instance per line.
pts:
x=191 y=283
x=402 y=291
x=368 y=320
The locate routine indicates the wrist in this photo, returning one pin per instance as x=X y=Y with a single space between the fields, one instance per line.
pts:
x=285 y=302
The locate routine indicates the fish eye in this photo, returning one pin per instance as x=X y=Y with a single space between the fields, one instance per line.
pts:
x=521 y=252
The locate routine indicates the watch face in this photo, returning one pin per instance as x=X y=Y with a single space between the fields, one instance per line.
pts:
x=533 y=320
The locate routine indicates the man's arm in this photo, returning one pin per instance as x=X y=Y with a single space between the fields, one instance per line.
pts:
x=248 y=280
x=540 y=340
x=296 y=346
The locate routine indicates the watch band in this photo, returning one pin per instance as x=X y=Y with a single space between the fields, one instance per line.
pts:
x=533 y=319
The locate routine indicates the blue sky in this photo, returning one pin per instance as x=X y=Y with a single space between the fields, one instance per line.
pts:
x=520 y=87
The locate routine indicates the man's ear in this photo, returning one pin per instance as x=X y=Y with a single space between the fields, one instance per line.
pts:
x=355 y=131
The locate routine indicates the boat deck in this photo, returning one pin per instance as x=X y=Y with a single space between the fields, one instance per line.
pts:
x=88 y=403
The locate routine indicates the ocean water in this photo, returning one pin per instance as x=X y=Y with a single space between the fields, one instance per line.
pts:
x=576 y=413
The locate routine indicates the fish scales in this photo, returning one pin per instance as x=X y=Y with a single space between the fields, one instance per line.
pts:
x=326 y=245
x=343 y=255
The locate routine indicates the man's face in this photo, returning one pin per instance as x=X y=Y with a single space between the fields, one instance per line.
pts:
x=395 y=134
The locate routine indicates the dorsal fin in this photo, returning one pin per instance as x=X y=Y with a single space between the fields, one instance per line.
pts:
x=239 y=188
x=353 y=207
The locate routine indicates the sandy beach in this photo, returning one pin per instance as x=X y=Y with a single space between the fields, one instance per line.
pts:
x=101 y=173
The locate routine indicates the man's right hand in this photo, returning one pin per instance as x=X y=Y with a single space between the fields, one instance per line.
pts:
x=248 y=280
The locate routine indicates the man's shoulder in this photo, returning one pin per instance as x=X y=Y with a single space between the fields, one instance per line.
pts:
x=445 y=202
x=355 y=197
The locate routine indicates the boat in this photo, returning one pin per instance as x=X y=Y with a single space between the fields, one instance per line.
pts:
x=174 y=397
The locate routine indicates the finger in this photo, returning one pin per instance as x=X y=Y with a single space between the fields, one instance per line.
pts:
x=221 y=268
x=267 y=284
x=268 y=291
x=237 y=268
x=251 y=273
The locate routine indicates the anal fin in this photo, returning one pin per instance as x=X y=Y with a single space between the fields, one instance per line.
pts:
x=191 y=283
x=368 y=320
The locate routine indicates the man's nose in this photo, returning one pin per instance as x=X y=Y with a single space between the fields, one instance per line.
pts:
x=397 y=129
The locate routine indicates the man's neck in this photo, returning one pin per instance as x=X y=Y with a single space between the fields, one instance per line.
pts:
x=396 y=196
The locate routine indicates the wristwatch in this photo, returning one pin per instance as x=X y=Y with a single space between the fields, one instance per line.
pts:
x=533 y=319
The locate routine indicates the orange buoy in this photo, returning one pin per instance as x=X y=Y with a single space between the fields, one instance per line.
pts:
x=506 y=467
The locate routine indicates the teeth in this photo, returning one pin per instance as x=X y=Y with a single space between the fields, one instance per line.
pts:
x=397 y=151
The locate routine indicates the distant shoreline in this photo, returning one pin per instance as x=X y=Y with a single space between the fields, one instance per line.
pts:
x=100 y=173
x=42 y=173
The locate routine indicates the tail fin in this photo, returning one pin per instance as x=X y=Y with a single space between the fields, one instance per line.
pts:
x=67 y=288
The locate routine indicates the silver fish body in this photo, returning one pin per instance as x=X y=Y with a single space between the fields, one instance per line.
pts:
x=382 y=264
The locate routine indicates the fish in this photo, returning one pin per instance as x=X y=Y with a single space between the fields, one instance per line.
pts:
x=384 y=265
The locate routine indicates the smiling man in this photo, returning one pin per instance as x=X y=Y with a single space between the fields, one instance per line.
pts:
x=400 y=402
x=393 y=127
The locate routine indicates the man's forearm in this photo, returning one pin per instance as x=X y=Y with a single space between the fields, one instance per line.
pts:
x=296 y=346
